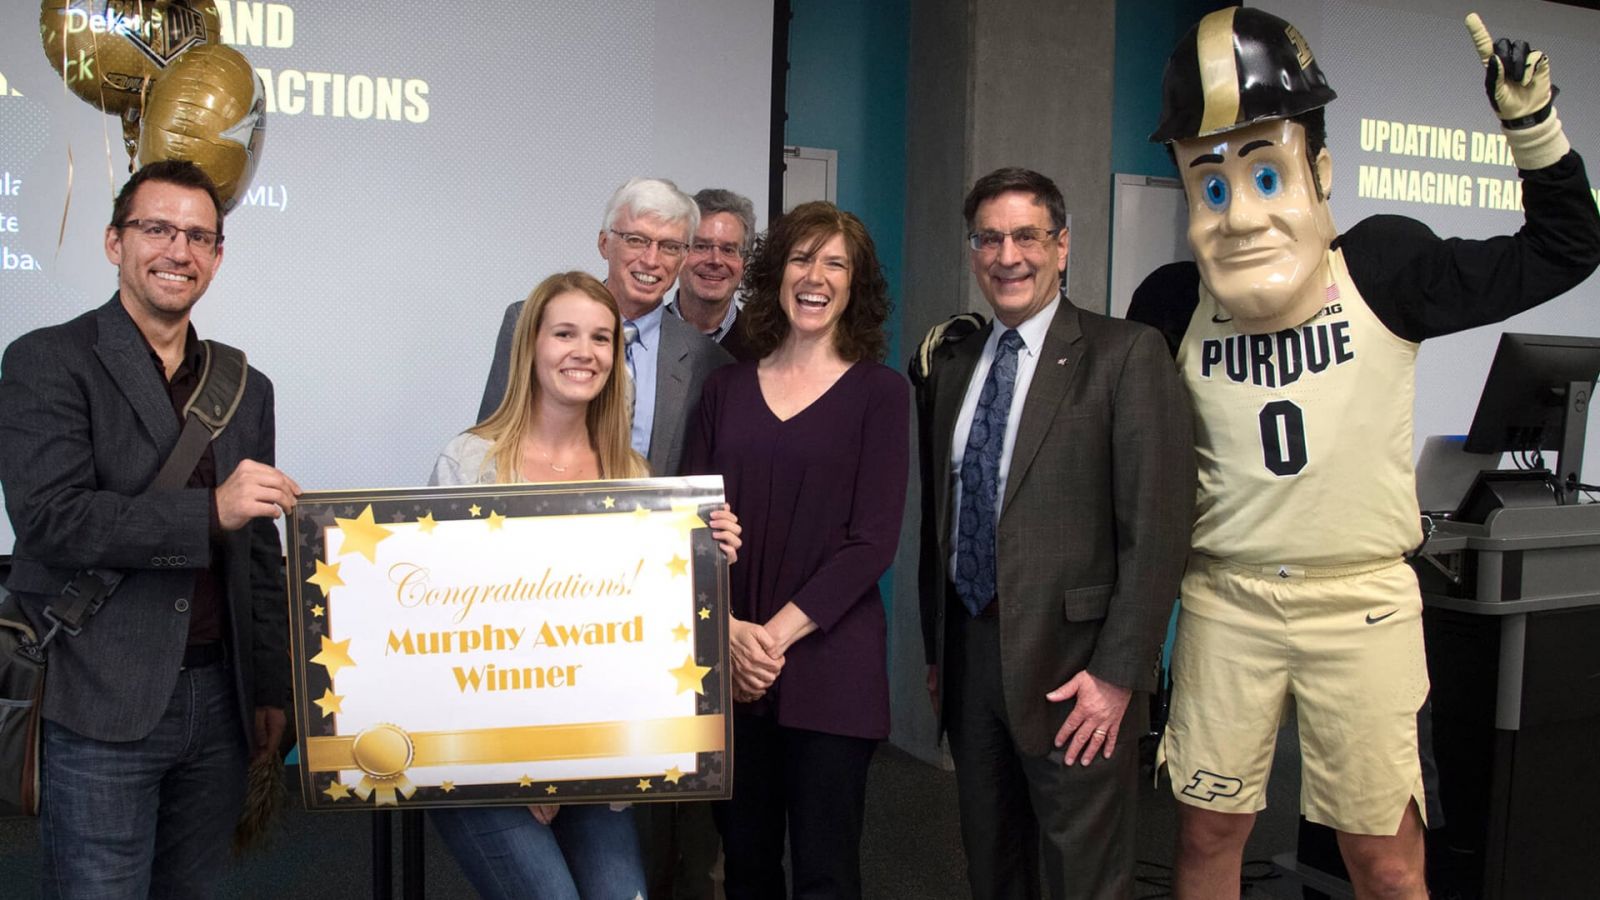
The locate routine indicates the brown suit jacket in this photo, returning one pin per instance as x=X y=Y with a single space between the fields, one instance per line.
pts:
x=1095 y=522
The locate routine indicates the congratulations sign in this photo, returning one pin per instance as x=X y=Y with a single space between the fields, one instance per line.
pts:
x=510 y=643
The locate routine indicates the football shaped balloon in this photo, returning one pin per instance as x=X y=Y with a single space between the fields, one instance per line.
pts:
x=209 y=107
x=108 y=51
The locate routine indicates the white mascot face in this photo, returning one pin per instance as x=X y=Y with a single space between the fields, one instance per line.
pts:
x=1258 y=226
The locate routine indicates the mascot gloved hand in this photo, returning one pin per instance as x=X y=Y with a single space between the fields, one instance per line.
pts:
x=1517 y=80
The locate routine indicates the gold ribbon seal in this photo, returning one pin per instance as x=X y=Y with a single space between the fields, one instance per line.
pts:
x=384 y=752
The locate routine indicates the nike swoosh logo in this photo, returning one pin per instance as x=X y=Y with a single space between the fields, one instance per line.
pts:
x=1373 y=620
x=1220 y=320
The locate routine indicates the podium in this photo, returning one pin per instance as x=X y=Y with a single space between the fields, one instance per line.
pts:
x=1511 y=617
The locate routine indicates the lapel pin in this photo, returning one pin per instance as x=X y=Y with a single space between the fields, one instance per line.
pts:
x=1062 y=361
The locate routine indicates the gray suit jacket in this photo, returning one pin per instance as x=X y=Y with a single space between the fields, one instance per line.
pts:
x=1095 y=523
x=685 y=359
x=85 y=423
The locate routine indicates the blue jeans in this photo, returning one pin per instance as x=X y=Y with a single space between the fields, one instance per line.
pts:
x=586 y=851
x=151 y=817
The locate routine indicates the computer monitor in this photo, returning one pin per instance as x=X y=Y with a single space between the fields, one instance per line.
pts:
x=1537 y=398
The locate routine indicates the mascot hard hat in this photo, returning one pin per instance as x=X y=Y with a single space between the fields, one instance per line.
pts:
x=1236 y=67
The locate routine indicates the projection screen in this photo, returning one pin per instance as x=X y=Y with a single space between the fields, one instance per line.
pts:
x=424 y=165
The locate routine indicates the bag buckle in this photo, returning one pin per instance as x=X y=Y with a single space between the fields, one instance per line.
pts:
x=83 y=596
x=56 y=624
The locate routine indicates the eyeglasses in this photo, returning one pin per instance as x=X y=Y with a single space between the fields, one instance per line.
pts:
x=706 y=248
x=638 y=243
x=157 y=230
x=1028 y=238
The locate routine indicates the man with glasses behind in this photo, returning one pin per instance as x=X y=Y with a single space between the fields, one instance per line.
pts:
x=152 y=710
x=1058 y=483
x=705 y=297
x=644 y=240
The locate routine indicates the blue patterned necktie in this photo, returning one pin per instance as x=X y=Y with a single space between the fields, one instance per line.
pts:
x=980 y=477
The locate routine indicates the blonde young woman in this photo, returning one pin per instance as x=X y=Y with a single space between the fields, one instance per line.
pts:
x=564 y=417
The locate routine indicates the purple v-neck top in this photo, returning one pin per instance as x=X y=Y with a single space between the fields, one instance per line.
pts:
x=820 y=497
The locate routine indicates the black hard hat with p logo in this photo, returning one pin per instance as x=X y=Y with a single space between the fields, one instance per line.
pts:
x=1238 y=66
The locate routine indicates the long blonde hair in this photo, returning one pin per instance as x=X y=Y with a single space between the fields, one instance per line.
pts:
x=608 y=419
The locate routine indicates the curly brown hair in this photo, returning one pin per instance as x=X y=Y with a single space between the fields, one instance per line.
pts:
x=859 y=332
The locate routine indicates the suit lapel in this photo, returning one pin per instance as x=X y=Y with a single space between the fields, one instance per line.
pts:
x=1058 y=363
x=126 y=356
x=954 y=364
x=672 y=387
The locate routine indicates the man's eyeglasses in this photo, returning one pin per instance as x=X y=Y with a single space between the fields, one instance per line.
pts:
x=706 y=248
x=638 y=243
x=1029 y=238
x=157 y=230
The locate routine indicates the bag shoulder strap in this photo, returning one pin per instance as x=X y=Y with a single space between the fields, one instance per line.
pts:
x=206 y=413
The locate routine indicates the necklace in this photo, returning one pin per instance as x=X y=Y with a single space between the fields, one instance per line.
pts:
x=549 y=459
x=552 y=464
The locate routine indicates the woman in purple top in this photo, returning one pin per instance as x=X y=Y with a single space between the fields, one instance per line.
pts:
x=813 y=442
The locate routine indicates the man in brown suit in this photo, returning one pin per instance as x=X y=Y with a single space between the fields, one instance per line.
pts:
x=1058 y=483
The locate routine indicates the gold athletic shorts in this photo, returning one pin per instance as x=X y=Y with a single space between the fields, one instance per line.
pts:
x=1344 y=644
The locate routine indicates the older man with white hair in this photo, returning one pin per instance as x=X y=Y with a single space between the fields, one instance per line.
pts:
x=644 y=240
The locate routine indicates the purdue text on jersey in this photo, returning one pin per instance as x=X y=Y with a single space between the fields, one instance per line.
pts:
x=1274 y=360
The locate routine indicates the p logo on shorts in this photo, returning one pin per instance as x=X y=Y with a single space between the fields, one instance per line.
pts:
x=1209 y=786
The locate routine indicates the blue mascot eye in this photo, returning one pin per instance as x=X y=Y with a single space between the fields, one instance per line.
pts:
x=1268 y=182
x=1215 y=191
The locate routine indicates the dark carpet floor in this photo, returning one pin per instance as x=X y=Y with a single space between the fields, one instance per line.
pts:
x=911 y=848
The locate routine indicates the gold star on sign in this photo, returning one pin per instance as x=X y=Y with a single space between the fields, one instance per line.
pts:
x=329 y=701
x=525 y=781
x=335 y=655
x=495 y=520
x=644 y=785
x=476 y=510
x=609 y=503
x=689 y=675
x=705 y=613
x=681 y=633
x=687 y=518
x=317 y=610
x=447 y=786
x=327 y=577
x=336 y=791
x=361 y=535
x=640 y=512
x=425 y=524
x=550 y=789
x=673 y=774
x=678 y=565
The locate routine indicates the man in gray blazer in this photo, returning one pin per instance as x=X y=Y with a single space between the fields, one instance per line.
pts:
x=153 y=710
x=1058 y=484
x=644 y=240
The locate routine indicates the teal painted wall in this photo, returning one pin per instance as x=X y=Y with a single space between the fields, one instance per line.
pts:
x=847 y=92
x=1147 y=30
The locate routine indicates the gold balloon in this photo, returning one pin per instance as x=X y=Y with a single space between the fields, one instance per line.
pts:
x=108 y=51
x=209 y=107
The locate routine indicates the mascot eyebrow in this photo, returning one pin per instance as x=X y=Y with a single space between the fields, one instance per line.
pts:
x=1212 y=159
